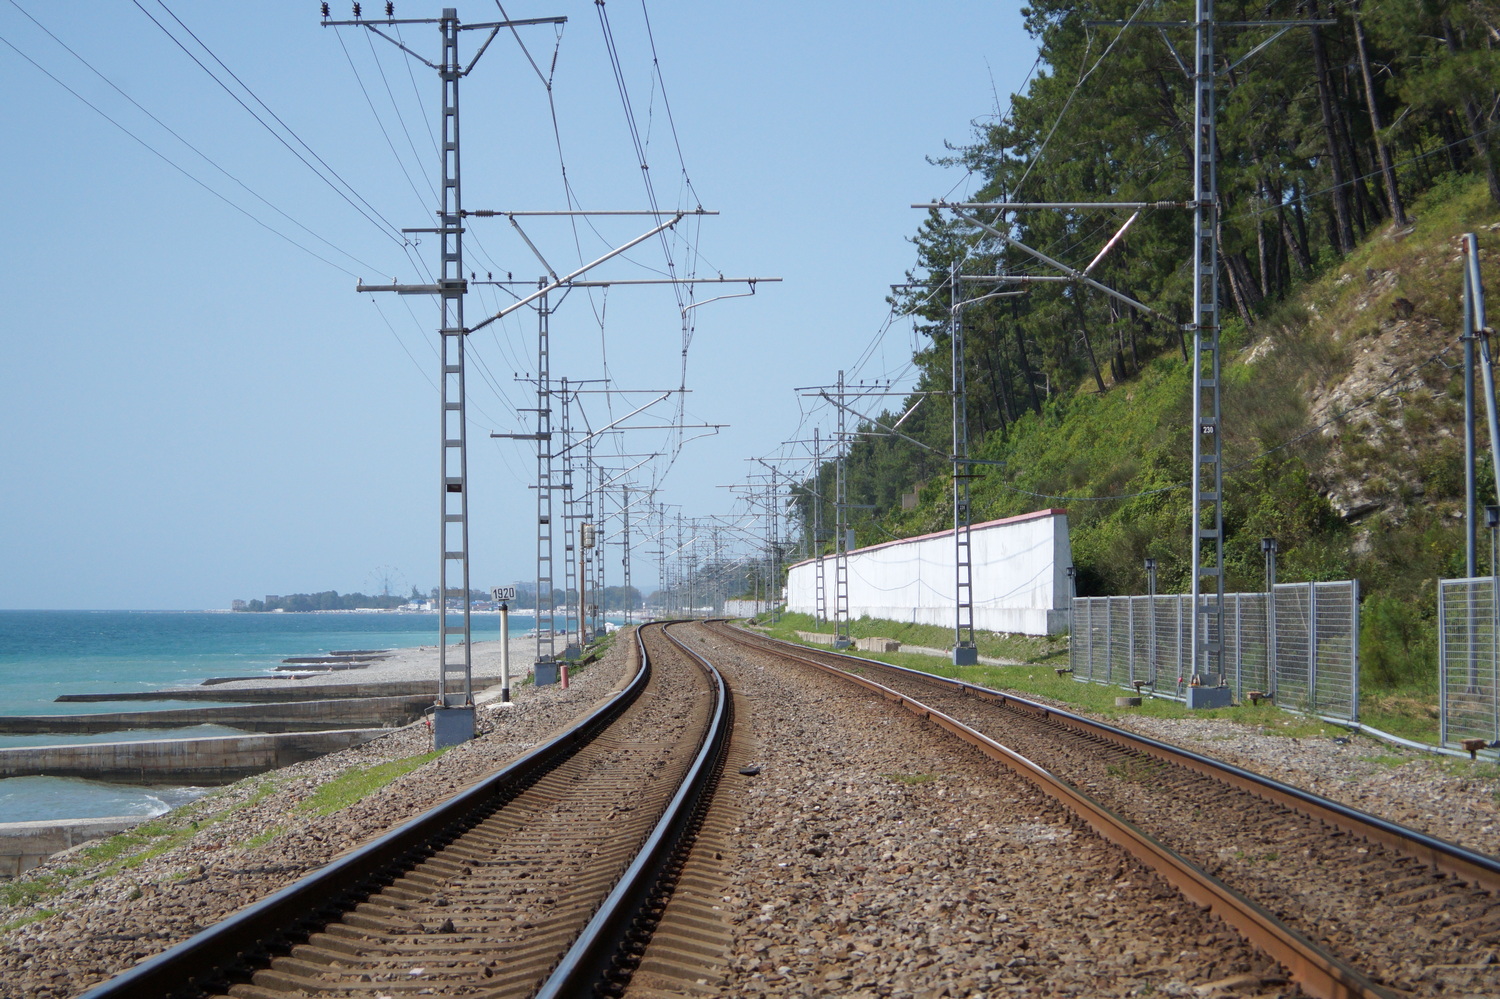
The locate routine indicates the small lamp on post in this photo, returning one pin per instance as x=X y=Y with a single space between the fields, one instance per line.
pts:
x=1151 y=607
x=1072 y=581
x=1492 y=520
x=1273 y=665
x=1268 y=546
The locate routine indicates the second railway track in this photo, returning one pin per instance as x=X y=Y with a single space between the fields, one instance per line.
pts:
x=1406 y=915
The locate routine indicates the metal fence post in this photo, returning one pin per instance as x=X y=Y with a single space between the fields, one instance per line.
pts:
x=1354 y=650
x=1442 y=662
x=1109 y=639
x=1239 y=648
x=1312 y=646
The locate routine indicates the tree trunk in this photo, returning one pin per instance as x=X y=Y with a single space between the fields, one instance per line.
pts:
x=1344 y=230
x=1036 y=402
x=1387 y=165
x=1451 y=141
x=1088 y=348
x=1300 y=217
x=997 y=388
x=1263 y=254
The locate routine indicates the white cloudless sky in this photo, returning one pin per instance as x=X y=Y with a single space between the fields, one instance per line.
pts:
x=196 y=406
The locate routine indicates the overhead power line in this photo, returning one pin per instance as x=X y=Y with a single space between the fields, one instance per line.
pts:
x=368 y=211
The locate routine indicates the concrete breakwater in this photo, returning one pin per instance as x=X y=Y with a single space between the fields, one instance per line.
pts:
x=281 y=716
x=214 y=760
x=222 y=690
x=24 y=845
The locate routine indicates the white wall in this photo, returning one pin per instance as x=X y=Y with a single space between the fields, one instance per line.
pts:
x=1020 y=581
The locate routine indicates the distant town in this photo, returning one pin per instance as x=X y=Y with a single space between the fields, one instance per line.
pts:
x=616 y=598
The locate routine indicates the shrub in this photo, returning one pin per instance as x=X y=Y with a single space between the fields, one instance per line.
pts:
x=1397 y=644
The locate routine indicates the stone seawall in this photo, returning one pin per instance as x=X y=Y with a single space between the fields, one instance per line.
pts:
x=219 y=760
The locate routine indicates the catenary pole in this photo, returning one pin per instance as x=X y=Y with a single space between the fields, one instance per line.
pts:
x=453 y=709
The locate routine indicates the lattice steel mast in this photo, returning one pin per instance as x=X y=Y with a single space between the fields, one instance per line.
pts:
x=965 y=651
x=453 y=719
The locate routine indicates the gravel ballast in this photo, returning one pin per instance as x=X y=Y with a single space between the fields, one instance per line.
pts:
x=902 y=859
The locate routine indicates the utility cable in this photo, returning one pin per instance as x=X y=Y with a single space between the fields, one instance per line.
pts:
x=400 y=163
x=174 y=165
x=391 y=231
x=167 y=128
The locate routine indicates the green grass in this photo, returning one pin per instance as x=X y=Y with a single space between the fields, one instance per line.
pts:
x=356 y=784
x=1040 y=679
x=1408 y=713
x=122 y=852
x=1138 y=771
x=27 y=891
x=27 y=920
x=1016 y=648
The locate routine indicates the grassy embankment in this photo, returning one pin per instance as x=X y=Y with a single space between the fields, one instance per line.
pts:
x=1035 y=673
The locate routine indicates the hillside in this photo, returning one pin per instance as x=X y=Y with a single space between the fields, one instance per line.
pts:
x=1350 y=157
x=1343 y=439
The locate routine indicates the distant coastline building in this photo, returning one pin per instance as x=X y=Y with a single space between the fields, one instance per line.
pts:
x=238 y=605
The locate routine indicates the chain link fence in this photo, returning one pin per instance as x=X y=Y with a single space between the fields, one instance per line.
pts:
x=1300 y=644
x=1468 y=660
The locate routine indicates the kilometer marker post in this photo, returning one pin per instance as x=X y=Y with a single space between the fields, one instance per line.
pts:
x=505 y=653
x=504 y=594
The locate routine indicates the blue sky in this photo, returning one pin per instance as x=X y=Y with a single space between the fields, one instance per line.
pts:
x=197 y=408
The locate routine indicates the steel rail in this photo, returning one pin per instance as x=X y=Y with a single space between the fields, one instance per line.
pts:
x=1316 y=970
x=187 y=967
x=590 y=961
x=1448 y=858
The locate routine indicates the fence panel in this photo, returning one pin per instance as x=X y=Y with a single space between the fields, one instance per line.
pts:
x=1336 y=624
x=1253 y=652
x=1468 y=660
x=1295 y=677
x=1078 y=636
x=1302 y=642
x=1143 y=641
x=1119 y=640
x=1099 y=641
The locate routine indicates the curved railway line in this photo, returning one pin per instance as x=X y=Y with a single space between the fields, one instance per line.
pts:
x=527 y=884
x=1350 y=904
x=606 y=860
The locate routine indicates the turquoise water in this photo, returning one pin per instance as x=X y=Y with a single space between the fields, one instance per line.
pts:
x=47 y=653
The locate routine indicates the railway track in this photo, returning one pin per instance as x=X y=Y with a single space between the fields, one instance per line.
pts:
x=545 y=879
x=1349 y=904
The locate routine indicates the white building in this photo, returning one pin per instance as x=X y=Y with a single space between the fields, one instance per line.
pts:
x=1020 y=581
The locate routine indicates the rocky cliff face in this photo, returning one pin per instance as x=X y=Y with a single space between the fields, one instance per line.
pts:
x=1389 y=410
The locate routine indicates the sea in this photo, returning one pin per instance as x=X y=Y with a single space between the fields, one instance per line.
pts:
x=47 y=653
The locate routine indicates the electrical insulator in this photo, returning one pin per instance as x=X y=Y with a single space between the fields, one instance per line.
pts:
x=356 y=12
x=325 y=11
x=390 y=9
